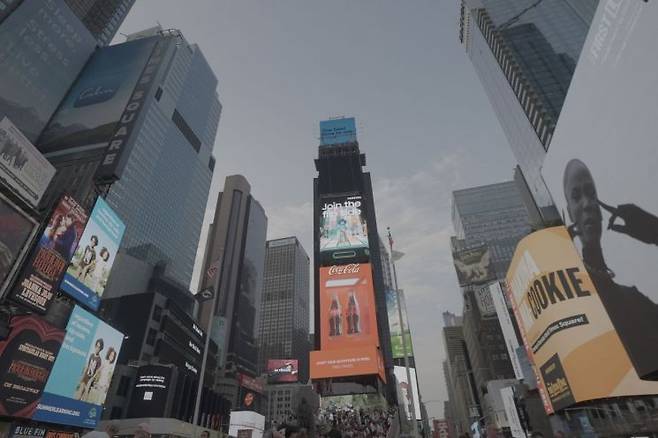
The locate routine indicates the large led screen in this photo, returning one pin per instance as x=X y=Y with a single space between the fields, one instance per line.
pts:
x=347 y=307
x=86 y=276
x=601 y=171
x=282 y=370
x=565 y=328
x=343 y=230
x=405 y=391
x=337 y=131
x=397 y=346
x=82 y=373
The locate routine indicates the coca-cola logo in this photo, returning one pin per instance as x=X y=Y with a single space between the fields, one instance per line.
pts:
x=352 y=268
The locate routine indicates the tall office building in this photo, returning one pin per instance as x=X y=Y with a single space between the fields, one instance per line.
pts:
x=44 y=48
x=493 y=215
x=101 y=17
x=234 y=262
x=284 y=318
x=154 y=99
x=525 y=53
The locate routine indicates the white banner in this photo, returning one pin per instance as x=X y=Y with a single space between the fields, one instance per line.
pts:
x=22 y=167
x=512 y=343
x=512 y=415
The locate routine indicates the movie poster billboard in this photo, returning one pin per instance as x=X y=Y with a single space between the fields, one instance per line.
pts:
x=565 y=328
x=337 y=131
x=26 y=359
x=601 y=171
x=473 y=265
x=347 y=307
x=397 y=347
x=37 y=284
x=16 y=232
x=86 y=276
x=405 y=391
x=40 y=57
x=82 y=373
x=22 y=168
x=282 y=370
x=343 y=230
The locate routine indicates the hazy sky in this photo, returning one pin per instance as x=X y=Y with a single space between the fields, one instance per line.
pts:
x=424 y=123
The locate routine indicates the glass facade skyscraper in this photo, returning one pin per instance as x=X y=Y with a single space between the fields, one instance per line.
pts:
x=525 y=53
x=101 y=17
x=284 y=323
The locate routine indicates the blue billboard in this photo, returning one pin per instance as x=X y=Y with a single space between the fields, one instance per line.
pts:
x=86 y=276
x=79 y=381
x=93 y=107
x=337 y=131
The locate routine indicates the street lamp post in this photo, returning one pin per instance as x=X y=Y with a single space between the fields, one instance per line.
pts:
x=404 y=341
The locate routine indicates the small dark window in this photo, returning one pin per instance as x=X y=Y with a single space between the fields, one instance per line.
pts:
x=150 y=338
x=185 y=129
x=157 y=313
x=158 y=94
x=116 y=413
x=124 y=385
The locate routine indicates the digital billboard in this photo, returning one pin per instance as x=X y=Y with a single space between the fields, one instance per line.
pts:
x=601 y=171
x=405 y=391
x=345 y=362
x=40 y=57
x=337 y=131
x=347 y=307
x=473 y=265
x=343 y=230
x=86 y=276
x=37 y=284
x=282 y=370
x=150 y=393
x=26 y=359
x=82 y=373
x=22 y=168
x=565 y=327
x=397 y=347
x=15 y=234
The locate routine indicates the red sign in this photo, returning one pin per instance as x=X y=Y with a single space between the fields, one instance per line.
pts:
x=256 y=385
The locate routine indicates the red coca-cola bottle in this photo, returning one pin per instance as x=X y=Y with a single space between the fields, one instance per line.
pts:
x=335 y=323
x=353 y=315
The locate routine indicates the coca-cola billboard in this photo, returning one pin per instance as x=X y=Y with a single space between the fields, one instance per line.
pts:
x=347 y=305
x=282 y=370
x=343 y=232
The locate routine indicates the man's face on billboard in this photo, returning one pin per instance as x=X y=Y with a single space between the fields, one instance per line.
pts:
x=582 y=202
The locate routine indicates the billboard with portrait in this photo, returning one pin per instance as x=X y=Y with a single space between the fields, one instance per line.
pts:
x=26 y=359
x=343 y=230
x=22 y=168
x=473 y=265
x=38 y=281
x=565 y=327
x=40 y=57
x=16 y=232
x=86 y=276
x=337 y=131
x=405 y=391
x=601 y=171
x=282 y=370
x=397 y=347
x=347 y=307
x=82 y=373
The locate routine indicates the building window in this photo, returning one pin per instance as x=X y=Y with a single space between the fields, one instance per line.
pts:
x=124 y=385
x=150 y=338
x=157 y=313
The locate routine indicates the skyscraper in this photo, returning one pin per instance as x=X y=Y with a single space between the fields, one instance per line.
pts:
x=284 y=318
x=525 y=53
x=101 y=17
x=164 y=167
x=233 y=275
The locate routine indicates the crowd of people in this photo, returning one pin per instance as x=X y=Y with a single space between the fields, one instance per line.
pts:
x=350 y=422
